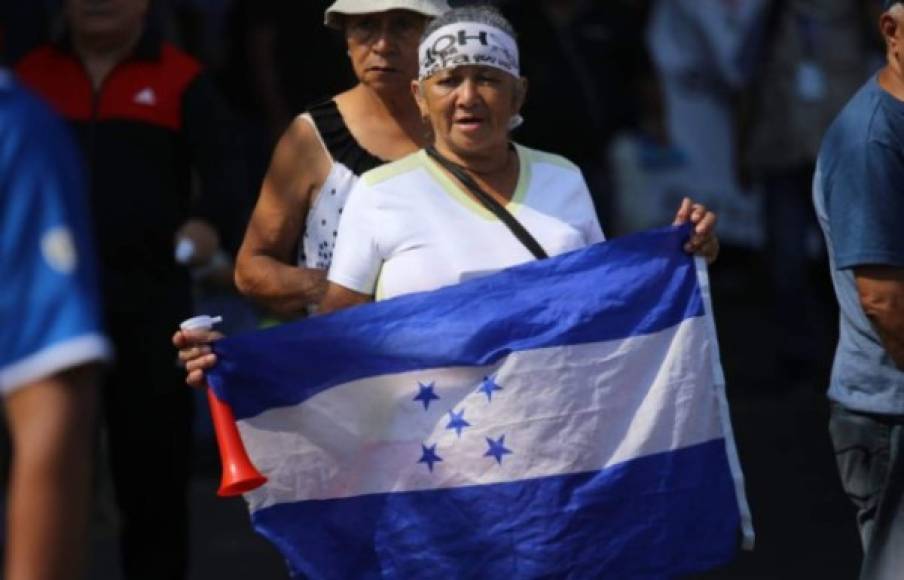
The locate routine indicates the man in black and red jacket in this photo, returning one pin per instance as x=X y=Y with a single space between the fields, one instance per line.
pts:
x=146 y=118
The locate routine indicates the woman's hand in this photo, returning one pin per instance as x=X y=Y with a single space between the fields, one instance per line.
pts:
x=195 y=353
x=703 y=240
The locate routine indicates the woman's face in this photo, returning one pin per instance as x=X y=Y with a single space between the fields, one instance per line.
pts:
x=469 y=107
x=383 y=47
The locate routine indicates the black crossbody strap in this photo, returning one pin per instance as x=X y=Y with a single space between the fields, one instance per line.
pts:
x=504 y=215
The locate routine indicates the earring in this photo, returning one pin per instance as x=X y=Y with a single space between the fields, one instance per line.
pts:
x=516 y=121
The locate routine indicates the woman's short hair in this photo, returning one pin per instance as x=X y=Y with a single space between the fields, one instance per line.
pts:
x=481 y=14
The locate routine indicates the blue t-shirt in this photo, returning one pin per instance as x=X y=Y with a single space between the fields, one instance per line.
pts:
x=858 y=192
x=49 y=312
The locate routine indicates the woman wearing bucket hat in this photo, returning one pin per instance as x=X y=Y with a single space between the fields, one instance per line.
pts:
x=290 y=238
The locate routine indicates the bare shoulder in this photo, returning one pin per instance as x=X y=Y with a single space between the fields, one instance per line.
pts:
x=301 y=146
x=300 y=163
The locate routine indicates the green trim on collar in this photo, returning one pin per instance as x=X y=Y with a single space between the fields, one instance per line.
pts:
x=457 y=192
x=383 y=173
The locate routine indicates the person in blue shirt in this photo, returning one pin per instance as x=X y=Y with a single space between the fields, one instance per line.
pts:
x=50 y=336
x=858 y=192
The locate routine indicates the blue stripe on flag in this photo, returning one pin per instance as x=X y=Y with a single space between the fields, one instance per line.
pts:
x=638 y=285
x=659 y=516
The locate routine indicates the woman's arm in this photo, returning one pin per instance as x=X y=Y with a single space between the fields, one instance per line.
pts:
x=338 y=297
x=266 y=267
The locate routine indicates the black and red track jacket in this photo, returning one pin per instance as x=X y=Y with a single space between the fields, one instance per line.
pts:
x=155 y=118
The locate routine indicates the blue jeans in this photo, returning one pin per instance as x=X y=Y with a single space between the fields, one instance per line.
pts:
x=869 y=451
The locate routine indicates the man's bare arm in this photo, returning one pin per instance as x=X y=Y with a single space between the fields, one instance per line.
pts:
x=52 y=423
x=881 y=291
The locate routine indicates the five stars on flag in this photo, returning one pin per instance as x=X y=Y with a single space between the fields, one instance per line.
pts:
x=457 y=422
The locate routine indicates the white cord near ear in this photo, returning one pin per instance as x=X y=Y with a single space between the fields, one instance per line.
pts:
x=516 y=121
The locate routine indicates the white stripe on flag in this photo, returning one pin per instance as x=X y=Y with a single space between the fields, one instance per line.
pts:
x=568 y=409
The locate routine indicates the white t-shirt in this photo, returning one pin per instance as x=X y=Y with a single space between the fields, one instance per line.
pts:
x=409 y=227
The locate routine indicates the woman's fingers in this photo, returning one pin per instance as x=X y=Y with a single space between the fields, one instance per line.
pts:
x=703 y=240
x=187 y=338
x=196 y=367
x=704 y=221
x=195 y=353
x=201 y=363
x=696 y=213
x=194 y=344
x=684 y=212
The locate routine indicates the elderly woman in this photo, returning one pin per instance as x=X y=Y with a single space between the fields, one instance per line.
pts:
x=418 y=224
x=288 y=244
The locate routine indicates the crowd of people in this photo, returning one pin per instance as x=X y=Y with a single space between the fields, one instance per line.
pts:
x=248 y=139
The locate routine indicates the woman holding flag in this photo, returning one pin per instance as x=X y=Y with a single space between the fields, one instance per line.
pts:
x=470 y=204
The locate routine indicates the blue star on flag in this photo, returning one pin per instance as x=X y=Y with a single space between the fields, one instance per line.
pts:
x=488 y=386
x=426 y=394
x=429 y=456
x=497 y=449
x=457 y=421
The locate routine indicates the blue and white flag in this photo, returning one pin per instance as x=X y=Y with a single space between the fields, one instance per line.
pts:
x=562 y=418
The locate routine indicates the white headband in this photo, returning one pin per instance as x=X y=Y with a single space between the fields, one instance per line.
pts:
x=468 y=43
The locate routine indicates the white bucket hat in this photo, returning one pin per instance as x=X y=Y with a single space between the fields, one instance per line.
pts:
x=333 y=15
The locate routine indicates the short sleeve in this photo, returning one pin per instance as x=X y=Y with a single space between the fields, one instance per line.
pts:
x=593 y=232
x=865 y=207
x=49 y=309
x=356 y=258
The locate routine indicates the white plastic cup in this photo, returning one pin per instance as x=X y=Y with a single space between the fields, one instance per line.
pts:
x=202 y=322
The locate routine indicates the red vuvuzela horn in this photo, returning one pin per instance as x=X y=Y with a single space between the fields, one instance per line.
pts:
x=239 y=474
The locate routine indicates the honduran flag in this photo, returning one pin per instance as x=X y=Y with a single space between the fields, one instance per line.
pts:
x=562 y=418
